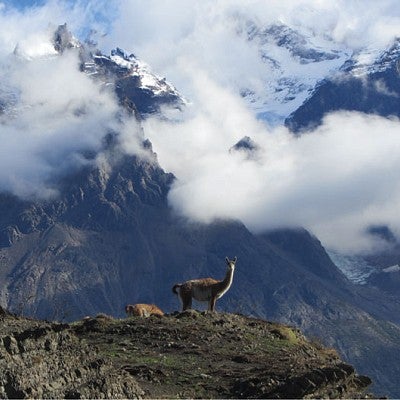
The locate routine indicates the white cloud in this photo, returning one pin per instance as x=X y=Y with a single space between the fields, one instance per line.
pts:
x=335 y=181
x=59 y=113
x=54 y=112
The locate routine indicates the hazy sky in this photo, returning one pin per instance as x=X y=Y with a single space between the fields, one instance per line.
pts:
x=335 y=181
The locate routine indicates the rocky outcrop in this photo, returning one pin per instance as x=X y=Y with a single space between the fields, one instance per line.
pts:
x=43 y=360
x=214 y=355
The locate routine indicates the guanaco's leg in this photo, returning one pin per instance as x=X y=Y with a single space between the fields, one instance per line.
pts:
x=187 y=305
x=211 y=304
x=186 y=301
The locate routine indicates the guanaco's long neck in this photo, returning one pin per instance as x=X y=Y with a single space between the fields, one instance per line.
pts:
x=227 y=281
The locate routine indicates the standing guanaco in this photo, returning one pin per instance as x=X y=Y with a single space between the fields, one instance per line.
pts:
x=206 y=289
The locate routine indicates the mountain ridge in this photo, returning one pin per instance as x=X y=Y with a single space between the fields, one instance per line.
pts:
x=180 y=355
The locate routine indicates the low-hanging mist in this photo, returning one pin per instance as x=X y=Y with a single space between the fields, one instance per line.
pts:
x=336 y=180
x=56 y=114
x=52 y=115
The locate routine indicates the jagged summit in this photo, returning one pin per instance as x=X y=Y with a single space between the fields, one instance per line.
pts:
x=137 y=87
x=137 y=68
x=247 y=146
x=63 y=39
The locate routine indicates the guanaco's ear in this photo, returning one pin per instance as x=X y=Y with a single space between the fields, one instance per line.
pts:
x=227 y=260
x=235 y=259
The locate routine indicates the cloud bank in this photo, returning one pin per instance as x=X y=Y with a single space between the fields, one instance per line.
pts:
x=335 y=181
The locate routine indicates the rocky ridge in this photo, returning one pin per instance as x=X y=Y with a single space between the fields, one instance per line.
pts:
x=181 y=355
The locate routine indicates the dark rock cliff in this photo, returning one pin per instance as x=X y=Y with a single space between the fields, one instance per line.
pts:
x=43 y=360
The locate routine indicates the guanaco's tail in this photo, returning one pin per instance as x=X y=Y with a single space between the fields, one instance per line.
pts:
x=178 y=285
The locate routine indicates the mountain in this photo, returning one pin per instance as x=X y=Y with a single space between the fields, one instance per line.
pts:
x=110 y=238
x=135 y=84
x=368 y=83
x=309 y=75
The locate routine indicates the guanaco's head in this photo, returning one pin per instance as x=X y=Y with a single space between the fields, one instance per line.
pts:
x=231 y=263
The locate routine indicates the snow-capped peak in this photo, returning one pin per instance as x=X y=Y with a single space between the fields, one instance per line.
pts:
x=138 y=68
x=295 y=62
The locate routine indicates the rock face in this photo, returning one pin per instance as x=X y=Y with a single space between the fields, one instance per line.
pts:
x=42 y=360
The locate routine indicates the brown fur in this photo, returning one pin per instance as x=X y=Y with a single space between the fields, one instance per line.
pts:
x=206 y=289
x=142 y=310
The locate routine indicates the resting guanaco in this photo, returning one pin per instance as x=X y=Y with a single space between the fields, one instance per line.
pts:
x=142 y=310
x=206 y=289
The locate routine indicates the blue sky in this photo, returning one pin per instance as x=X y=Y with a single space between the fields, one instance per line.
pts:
x=22 y=4
x=82 y=16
